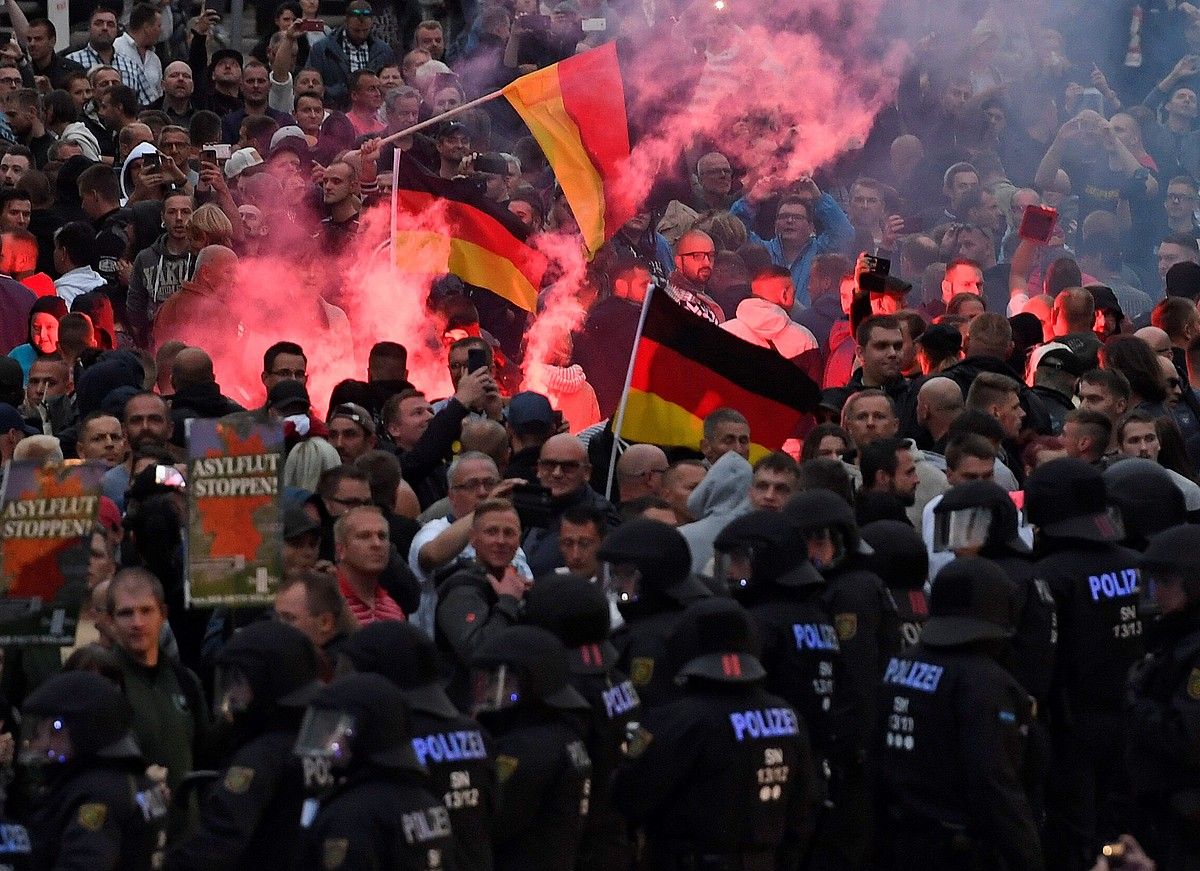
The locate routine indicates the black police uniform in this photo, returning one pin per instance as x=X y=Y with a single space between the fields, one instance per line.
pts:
x=577 y=612
x=868 y=628
x=98 y=810
x=948 y=763
x=258 y=795
x=1164 y=712
x=723 y=778
x=455 y=750
x=667 y=587
x=380 y=814
x=902 y=562
x=1095 y=584
x=542 y=764
x=469 y=613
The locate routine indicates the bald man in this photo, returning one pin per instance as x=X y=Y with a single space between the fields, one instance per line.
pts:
x=640 y=471
x=178 y=87
x=199 y=313
x=695 y=255
x=714 y=183
x=563 y=469
x=1158 y=340
x=939 y=401
x=197 y=394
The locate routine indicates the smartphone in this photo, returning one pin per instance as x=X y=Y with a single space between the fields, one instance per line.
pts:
x=874 y=279
x=595 y=25
x=533 y=503
x=1037 y=224
x=476 y=359
x=312 y=25
x=1090 y=99
x=492 y=163
x=151 y=160
x=217 y=151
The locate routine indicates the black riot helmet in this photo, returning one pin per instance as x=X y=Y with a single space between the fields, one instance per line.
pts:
x=972 y=600
x=759 y=549
x=74 y=716
x=979 y=517
x=577 y=612
x=522 y=665
x=407 y=657
x=264 y=665
x=1147 y=498
x=1173 y=557
x=715 y=641
x=1067 y=498
x=826 y=522
x=899 y=557
x=647 y=559
x=358 y=719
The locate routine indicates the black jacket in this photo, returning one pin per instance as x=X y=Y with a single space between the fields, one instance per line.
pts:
x=202 y=400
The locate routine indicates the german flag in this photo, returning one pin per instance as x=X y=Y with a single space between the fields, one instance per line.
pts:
x=576 y=112
x=685 y=368
x=485 y=245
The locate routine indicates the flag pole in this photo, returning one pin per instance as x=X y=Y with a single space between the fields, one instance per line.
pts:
x=612 y=461
x=438 y=119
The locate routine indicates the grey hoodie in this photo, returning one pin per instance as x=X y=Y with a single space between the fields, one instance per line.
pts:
x=719 y=498
x=156 y=275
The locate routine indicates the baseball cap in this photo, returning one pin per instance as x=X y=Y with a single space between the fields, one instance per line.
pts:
x=290 y=138
x=971 y=600
x=356 y=413
x=288 y=395
x=943 y=340
x=452 y=128
x=10 y=419
x=1056 y=355
x=240 y=161
x=527 y=410
x=225 y=54
x=297 y=522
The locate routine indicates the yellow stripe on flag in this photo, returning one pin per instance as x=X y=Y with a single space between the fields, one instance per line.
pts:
x=424 y=251
x=650 y=418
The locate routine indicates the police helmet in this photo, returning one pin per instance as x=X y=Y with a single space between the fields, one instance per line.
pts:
x=715 y=640
x=1067 y=498
x=647 y=555
x=1146 y=496
x=265 y=664
x=899 y=557
x=820 y=515
x=977 y=515
x=75 y=715
x=358 y=718
x=407 y=657
x=520 y=665
x=577 y=612
x=972 y=600
x=1173 y=555
x=762 y=548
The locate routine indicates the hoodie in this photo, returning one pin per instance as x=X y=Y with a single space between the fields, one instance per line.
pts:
x=78 y=281
x=139 y=151
x=719 y=498
x=763 y=323
x=157 y=274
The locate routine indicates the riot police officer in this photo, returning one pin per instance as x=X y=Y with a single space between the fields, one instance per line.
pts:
x=868 y=631
x=784 y=594
x=1164 y=702
x=456 y=751
x=577 y=612
x=1094 y=582
x=92 y=807
x=978 y=518
x=540 y=726
x=902 y=562
x=646 y=566
x=265 y=677
x=948 y=765
x=722 y=778
x=1148 y=499
x=379 y=812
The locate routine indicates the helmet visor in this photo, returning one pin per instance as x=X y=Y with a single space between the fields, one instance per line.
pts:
x=963 y=529
x=233 y=693
x=622 y=581
x=735 y=567
x=494 y=689
x=45 y=740
x=326 y=734
x=826 y=546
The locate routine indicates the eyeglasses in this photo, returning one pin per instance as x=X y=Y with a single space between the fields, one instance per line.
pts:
x=361 y=13
x=1175 y=198
x=568 y=467
x=699 y=255
x=476 y=484
x=295 y=374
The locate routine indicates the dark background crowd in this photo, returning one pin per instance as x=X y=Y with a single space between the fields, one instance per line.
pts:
x=954 y=623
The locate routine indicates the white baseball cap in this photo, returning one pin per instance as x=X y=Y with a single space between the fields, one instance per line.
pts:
x=240 y=161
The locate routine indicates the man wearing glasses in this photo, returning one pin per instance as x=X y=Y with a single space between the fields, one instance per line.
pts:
x=687 y=285
x=713 y=186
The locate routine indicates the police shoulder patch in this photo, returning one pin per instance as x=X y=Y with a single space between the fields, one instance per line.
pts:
x=505 y=766
x=92 y=815
x=846 y=626
x=1193 y=684
x=237 y=779
x=641 y=670
x=637 y=739
x=333 y=852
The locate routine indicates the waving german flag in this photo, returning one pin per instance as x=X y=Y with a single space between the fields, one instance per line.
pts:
x=576 y=112
x=686 y=367
x=484 y=244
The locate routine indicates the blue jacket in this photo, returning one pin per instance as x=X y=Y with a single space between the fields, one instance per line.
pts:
x=328 y=58
x=834 y=237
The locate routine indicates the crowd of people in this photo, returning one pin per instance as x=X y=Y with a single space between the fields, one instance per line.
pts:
x=954 y=623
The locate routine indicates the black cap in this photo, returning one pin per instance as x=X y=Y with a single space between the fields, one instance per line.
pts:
x=452 y=128
x=11 y=419
x=715 y=640
x=942 y=340
x=297 y=522
x=1064 y=359
x=1104 y=298
x=972 y=600
x=1067 y=498
x=407 y=657
x=225 y=53
x=288 y=395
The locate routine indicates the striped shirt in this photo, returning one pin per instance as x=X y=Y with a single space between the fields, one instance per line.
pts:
x=131 y=73
x=383 y=607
